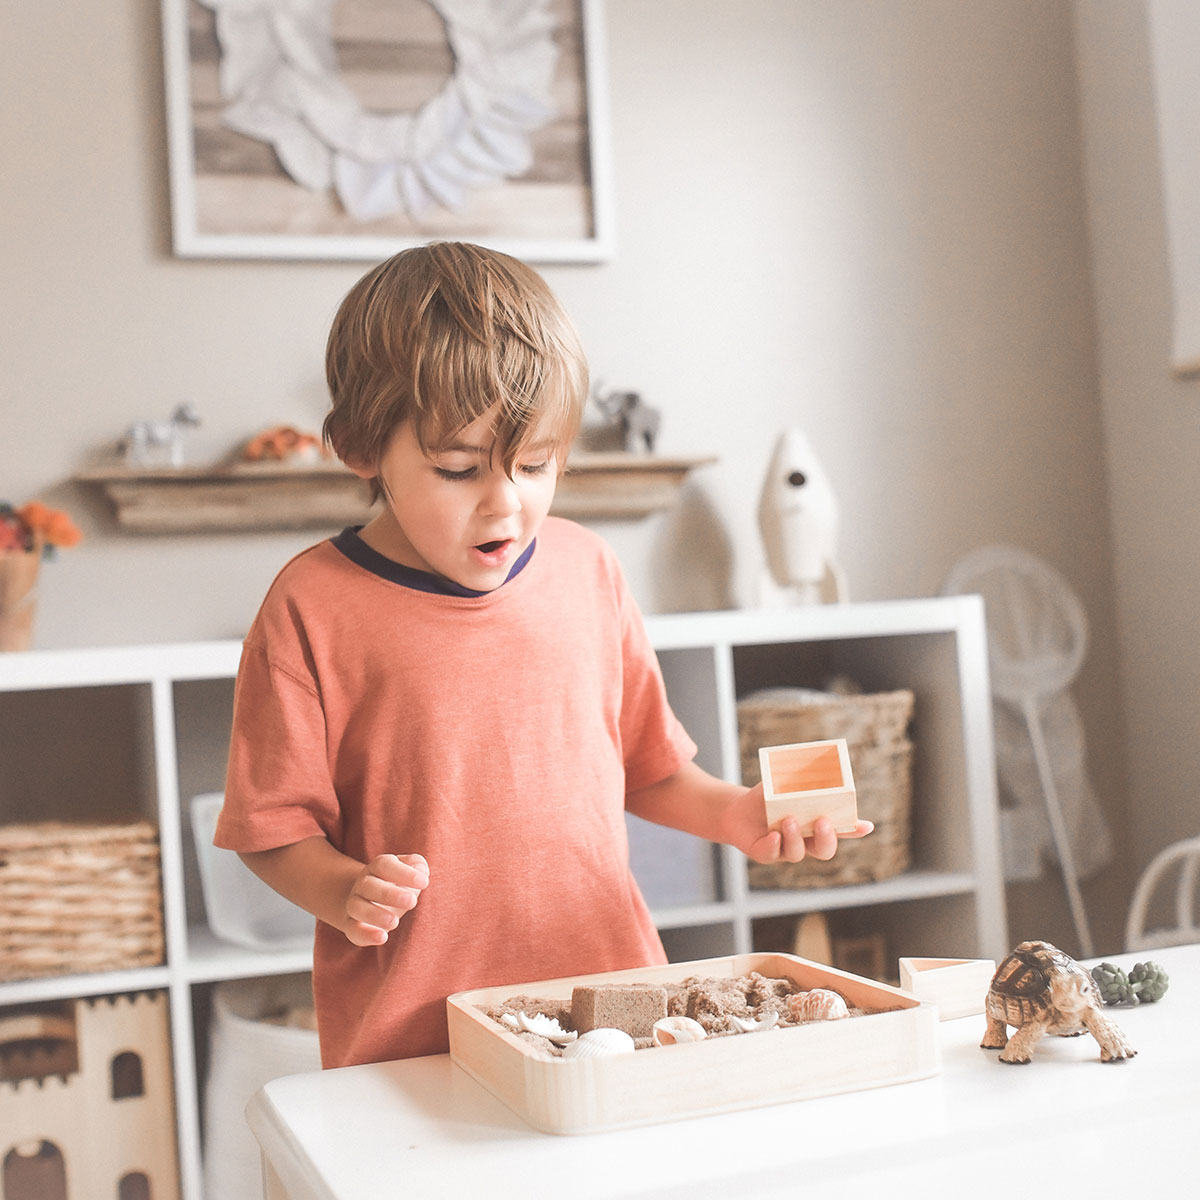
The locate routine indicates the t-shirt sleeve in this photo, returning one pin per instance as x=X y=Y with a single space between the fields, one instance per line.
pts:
x=654 y=740
x=278 y=787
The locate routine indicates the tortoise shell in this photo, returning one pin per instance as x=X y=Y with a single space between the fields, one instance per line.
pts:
x=1021 y=986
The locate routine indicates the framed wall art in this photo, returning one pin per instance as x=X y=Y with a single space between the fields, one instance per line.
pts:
x=1174 y=31
x=349 y=129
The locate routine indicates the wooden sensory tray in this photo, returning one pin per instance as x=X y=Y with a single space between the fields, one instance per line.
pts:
x=719 y=1074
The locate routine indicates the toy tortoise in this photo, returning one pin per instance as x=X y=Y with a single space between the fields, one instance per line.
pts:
x=1038 y=989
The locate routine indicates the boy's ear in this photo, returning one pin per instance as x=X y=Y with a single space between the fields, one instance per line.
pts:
x=358 y=465
x=361 y=468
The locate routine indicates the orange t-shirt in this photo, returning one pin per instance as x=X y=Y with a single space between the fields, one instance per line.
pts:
x=496 y=735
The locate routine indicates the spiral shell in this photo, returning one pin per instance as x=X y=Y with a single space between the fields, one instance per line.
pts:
x=820 y=1004
x=671 y=1030
x=599 y=1043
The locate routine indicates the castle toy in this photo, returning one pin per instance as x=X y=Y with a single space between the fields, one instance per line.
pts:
x=86 y=1103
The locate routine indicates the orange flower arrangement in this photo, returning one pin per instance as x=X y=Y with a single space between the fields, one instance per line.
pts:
x=36 y=527
x=27 y=535
x=282 y=443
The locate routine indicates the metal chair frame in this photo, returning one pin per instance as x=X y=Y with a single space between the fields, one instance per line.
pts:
x=1186 y=929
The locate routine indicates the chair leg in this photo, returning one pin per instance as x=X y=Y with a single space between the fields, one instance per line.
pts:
x=1058 y=828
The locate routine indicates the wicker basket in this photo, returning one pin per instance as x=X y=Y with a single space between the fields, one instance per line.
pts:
x=78 y=898
x=875 y=728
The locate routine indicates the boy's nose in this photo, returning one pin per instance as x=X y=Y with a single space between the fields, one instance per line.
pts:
x=502 y=497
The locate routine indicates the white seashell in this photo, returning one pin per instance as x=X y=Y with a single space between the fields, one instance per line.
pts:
x=509 y=1020
x=821 y=1004
x=671 y=1030
x=599 y=1043
x=759 y=1026
x=547 y=1027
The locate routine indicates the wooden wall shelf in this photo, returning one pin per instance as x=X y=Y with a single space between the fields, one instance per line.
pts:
x=241 y=497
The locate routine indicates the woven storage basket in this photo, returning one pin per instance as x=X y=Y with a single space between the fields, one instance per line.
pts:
x=78 y=898
x=875 y=728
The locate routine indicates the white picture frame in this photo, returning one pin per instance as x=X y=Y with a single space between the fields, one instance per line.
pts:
x=233 y=197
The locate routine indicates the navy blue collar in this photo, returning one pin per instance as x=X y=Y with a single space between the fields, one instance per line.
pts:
x=357 y=551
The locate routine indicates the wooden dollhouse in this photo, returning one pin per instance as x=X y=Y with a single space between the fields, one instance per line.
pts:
x=86 y=1104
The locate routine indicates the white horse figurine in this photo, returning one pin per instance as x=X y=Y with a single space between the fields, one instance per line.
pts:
x=159 y=443
x=798 y=520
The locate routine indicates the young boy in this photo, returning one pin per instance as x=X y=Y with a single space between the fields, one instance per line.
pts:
x=441 y=717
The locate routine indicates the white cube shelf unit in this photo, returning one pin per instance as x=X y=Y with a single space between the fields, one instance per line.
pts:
x=953 y=895
x=128 y=733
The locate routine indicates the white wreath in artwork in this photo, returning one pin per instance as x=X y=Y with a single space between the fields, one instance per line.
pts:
x=279 y=74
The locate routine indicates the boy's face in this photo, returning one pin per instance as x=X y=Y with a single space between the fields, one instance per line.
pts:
x=456 y=513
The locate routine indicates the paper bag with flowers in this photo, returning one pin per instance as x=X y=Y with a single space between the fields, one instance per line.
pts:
x=27 y=535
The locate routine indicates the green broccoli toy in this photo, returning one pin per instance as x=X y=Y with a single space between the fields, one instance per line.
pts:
x=1145 y=984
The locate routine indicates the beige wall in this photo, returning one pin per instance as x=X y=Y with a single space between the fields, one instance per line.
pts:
x=866 y=218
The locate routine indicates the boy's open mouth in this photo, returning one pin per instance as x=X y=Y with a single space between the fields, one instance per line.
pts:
x=491 y=547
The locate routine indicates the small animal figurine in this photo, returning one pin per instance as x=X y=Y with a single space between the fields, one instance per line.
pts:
x=638 y=422
x=159 y=443
x=1038 y=990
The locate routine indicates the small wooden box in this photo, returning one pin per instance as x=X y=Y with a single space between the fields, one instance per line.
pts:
x=719 y=1074
x=958 y=986
x=808 y=780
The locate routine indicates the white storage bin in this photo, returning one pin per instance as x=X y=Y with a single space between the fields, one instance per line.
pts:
x=240 y=907
x=246 y=1052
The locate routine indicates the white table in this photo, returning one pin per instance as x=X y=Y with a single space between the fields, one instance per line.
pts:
x=1065 y=1124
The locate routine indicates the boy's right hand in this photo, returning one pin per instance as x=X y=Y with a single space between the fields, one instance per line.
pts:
x=385 y=889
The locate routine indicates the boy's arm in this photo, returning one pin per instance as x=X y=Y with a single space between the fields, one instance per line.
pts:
x=696 y=802
x=364 y=901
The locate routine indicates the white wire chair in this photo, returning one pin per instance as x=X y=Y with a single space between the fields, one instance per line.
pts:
x=1186 y=929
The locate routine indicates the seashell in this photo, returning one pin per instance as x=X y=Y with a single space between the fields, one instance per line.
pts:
x=547 y=1027
x=759 y=1026
x=672 y=1030
x=599 y=1043
x=509 y=1020
x=821 y=1004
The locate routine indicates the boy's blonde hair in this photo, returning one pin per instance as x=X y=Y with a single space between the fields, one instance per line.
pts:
x=441 y=334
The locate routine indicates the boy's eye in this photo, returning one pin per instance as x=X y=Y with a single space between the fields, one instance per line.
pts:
x=459 y=475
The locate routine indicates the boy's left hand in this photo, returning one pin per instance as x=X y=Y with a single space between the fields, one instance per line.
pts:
x=746 y=821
